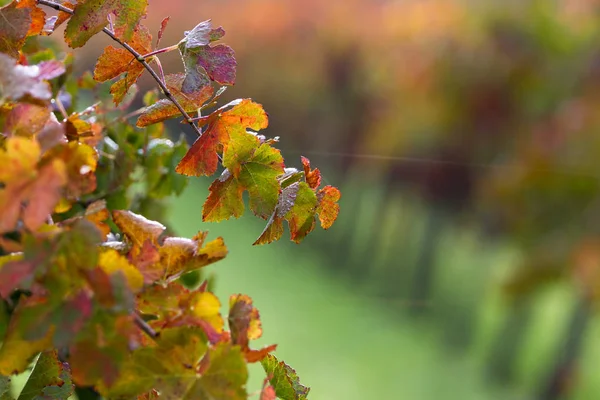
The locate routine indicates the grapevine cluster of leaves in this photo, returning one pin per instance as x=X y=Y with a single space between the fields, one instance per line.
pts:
x=90 y=288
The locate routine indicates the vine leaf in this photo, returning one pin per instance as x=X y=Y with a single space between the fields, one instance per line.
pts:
x=25 y=119
x=19 y=19
x=5 y=388
x=328 y=209
x=245 y=325
x=284 y=379
x=198 y=36
x=116 y=61
x=50 y=379
x=169 y=366
x=55 y=21
x=173 y=305
x=111 y=262
x=80 y=161
x=161 y=31
x=202 y=157
x=17 y=351
x=91 y=16
x=204 y=63
x=226 y=375
x=99 y=357
x=25 y=181
x=312 y=176
x=298 y=204
x=258 y=175
x=165 y=109
x=267 y=392
x=172 y=256
x=27 y=82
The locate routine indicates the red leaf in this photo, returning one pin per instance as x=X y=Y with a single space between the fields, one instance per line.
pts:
x=161 y=31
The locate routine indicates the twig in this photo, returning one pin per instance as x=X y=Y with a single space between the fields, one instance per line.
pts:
x=140 y=58
x=147 y=329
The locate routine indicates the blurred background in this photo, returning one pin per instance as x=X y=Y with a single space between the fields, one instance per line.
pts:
x=465 y=138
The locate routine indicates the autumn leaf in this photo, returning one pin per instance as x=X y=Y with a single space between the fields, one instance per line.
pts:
x=137 y=228
x=169 y=366
x=204 y=63
x=173 y=305
x=298 y=205
x=40 y=187
x=312 y=176
x=116 y=61
x=26 y=82
x=80 y=161
x=284 y=379
x=99 y=357
x=198 y=36
x=111 y=262
x=181 y=255
x=165 y=109
x=267 y=392
x=50 y=379
x=202 y=158
x=91 y=16
x=329 y=208
x=161 y=31
x=26 y=119
x=226 y=375
x=52 y=23
x=245 y=325
x=19 y=19
x=258 y=175
x=97 y=213
x=16 y=351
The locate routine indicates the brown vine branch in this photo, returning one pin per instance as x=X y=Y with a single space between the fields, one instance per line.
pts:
x=143 y=325
x=140 y=58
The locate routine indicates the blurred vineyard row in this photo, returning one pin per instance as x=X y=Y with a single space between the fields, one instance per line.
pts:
x=476 y=115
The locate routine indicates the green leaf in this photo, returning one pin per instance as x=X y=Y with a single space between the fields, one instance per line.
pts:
x=4 y=318
x=301 y=217
x=5 y=388
x=49 y=380
x=284 y=379
x=161 y=159
x=226 y=375
x=258 y=175
x=91 y=16
x=169 y=366
x=224 y=200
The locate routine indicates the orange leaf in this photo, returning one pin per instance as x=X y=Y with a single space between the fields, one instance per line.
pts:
x=165 y=109
x=313 y=177
x=328 y=208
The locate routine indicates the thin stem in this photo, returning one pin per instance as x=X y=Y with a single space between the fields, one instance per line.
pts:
x=60 y=107
x=160 y=68
x=147 y=329
x=160 y=51
x=139 y=58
